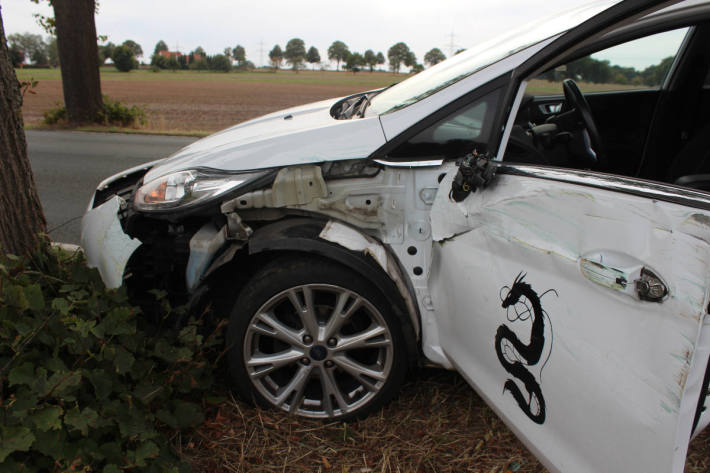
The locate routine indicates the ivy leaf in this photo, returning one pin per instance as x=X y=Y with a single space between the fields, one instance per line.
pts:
x=81 y=420
x=61 y=383
x=144 y=451
x=22 y=374
x=117 y=322
x=123 y=361
x=15 y=297
x=52 y=444
x=111 y=468
x=61 y=305
x=34 y=296
x=14 y=439
x=48 y=418
x=102 y=383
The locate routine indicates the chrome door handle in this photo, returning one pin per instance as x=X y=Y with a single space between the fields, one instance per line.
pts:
x=624 y=274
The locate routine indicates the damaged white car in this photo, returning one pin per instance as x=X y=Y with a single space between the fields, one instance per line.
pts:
x=500 y=214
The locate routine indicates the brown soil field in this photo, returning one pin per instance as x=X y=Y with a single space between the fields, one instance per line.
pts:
x=204 y=106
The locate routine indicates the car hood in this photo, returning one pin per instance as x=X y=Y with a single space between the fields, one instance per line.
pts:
x=299 y=135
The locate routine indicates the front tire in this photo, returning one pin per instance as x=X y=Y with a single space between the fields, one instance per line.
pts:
x=313 y=338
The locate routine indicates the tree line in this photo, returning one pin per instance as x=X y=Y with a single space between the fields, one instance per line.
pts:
x=598 y=71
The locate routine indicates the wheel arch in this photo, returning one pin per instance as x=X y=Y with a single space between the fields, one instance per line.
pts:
x=302 y=236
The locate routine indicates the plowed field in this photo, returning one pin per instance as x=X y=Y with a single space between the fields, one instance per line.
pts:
x=206 y=102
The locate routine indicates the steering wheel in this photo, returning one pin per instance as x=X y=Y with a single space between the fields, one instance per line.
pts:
x=575 y=100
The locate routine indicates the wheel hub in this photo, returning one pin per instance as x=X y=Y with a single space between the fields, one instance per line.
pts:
x=318 y=353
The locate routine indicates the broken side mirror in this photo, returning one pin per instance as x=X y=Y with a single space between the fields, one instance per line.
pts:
x=475 y=171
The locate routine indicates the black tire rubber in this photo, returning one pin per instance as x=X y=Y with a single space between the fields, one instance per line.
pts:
x=293 y=271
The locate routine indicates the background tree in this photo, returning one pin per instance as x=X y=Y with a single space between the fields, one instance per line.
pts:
x=106 y=51
x=17 y=56
x=370 y=59
x=434 y=56
x=219 y=62
x=239 y=55
x=228 y=53
x=133 y=46
x=313 y=56
x=338 y=51
x=79 y=57
x=380 y=58
x=459 y=51
x=124 y=59
x=53 y=51
x=199 y=51
x=295 y=52
x=276 y=56
x=160 y=46
x=32 y=45
x=21 y=217
x=400 y=54
x=354 y=62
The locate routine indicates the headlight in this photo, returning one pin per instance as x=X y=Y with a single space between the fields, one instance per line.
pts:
x=188 y=188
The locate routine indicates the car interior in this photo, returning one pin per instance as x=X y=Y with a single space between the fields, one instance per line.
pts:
x=650 y=122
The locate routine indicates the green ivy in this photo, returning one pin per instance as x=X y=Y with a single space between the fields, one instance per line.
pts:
x=86 y=384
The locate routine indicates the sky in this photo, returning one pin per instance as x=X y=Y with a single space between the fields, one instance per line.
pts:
x=260 y=24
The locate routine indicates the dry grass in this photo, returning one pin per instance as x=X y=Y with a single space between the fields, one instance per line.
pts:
x=438 y=424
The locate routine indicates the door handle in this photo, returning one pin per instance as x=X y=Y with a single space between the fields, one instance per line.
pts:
x=624 y=274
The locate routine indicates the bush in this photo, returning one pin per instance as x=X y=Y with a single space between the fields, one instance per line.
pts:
x=114 y=113
x=124 y=59
x=84 y=386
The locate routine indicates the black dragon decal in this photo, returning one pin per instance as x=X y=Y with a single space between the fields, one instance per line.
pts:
x=516 y=356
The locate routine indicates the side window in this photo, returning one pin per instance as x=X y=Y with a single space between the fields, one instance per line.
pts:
x=640 y=64
x=461 y=132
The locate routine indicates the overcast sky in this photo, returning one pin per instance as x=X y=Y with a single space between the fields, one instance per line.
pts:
x=260 y=24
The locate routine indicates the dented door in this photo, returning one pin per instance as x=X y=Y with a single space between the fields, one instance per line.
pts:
x=573 y=303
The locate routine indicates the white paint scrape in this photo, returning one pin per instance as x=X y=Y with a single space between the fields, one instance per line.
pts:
x=353 y=240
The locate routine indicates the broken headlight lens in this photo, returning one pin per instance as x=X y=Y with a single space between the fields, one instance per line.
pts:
x=187 y=188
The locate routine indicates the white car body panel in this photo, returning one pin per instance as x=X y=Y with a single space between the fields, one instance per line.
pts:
x=613 y=373
x=105 y=244
x=311 y=135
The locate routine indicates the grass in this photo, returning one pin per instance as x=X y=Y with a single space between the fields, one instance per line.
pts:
x=438 y=424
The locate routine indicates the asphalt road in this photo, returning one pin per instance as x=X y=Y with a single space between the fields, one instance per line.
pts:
x=67 y=166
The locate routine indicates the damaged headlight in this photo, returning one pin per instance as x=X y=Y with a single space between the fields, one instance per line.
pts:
x=188 y=188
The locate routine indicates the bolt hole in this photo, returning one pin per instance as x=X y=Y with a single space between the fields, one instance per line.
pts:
x=242 y=202
x=310 y=183
x=368 y=202
x=412 y=250
x=418 y=271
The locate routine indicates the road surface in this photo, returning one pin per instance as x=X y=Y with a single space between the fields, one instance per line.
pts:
x=67 y=166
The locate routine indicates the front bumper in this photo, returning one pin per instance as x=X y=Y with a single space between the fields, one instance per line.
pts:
x=106 y=245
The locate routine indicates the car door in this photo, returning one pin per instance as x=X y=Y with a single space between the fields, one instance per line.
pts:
x=574 y=303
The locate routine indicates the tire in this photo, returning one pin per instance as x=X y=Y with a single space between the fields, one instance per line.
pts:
x=341 y=356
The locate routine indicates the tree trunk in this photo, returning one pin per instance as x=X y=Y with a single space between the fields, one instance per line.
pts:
x=21 y=217
x=79 y=58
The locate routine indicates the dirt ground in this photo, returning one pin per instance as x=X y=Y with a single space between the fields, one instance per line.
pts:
x=206 y=106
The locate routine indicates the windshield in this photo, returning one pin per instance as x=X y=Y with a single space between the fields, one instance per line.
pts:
x=479 y=56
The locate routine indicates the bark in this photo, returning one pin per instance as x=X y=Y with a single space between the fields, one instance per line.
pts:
x=21 y=217
x=79 y=58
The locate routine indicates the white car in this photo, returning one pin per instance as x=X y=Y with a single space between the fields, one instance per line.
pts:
x=499 y=214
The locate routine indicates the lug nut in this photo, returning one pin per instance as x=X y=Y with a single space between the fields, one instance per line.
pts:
x=329 y=364
x=332 y=342
x=305 y=360
x=307 y=339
